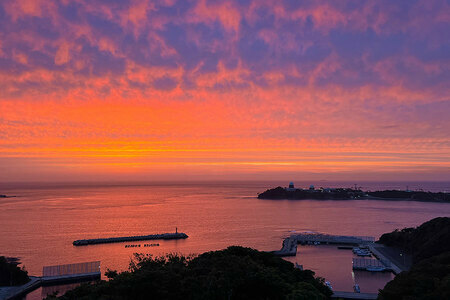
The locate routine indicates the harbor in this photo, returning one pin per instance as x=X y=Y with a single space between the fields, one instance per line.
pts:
x=362 y=246
x=347 y=254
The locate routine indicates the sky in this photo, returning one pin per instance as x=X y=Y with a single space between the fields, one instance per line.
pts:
x=228 y=90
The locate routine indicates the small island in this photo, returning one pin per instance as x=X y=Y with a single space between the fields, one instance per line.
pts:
x=293 y=193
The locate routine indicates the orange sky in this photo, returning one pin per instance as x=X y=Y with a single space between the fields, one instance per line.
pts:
x=161 y=90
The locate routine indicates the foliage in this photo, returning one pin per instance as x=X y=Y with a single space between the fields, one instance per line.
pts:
x=233 y=273
x=319 y=194
x=11 y=274
x=348 y=194
x=428 y=279
x=429 y=239
x=111 y=274
x=412 y=195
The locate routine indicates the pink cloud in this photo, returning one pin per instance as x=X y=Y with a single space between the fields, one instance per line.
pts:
x=224 y=84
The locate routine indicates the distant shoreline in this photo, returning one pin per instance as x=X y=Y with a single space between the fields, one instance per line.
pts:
x=291 y=193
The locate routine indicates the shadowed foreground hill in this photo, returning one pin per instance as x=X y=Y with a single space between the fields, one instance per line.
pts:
x=429 y=277
x=429 y=239
x=233 y=273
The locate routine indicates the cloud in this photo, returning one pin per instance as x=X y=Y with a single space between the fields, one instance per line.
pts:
x=238 y=75
x=164 y=83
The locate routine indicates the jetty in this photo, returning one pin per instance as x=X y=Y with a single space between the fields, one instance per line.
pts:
x=71 y=273
x=289 y=247
x=396 y=269
x=351 y=295
x=13 y=292
x=54 y=275
x=163 y=236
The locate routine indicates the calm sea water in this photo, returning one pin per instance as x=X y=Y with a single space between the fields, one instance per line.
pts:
x=40 y=224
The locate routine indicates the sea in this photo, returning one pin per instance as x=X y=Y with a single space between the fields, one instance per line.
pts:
x=41 y=222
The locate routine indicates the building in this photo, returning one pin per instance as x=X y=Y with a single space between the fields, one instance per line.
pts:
x=291 y=187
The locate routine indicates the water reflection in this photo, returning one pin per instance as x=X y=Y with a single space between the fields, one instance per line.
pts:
x=56 y=290
x=335 y=265
x=370 y=281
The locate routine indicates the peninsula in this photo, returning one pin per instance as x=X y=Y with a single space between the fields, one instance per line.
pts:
x=351 y=194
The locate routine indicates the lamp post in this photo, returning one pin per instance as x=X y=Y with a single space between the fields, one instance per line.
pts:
x=401 y=254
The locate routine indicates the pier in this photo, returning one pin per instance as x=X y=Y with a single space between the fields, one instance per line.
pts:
x=392 y=266
x=13 y=292
x=71 y=273
x=163 y=236
x=54 y=275
x=351 y=295
x=289 y=247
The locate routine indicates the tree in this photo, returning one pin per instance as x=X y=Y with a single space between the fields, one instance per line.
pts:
x=11 y=274
x=233 y=273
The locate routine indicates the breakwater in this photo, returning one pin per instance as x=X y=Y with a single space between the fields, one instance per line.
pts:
x=289 y=247
x=162 y=236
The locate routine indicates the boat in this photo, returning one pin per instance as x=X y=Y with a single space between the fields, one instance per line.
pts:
x=356 y=288
x=375 y=268
x=363 y=253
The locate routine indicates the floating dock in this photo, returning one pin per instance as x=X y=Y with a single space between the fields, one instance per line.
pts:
x=364 y=263
x=163 y=236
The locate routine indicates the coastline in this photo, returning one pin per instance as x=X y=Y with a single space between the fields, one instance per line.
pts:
x=292 y=193
x=366 y=198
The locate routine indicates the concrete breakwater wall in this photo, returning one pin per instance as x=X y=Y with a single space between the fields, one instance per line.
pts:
x=163 y=236
x=289 y=247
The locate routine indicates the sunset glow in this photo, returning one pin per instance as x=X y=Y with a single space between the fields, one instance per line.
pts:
x=158 y=90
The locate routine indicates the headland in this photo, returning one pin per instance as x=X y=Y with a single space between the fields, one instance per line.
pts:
x=293 y=193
